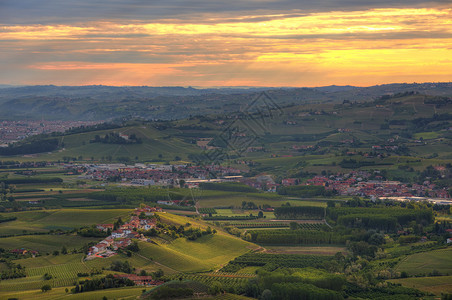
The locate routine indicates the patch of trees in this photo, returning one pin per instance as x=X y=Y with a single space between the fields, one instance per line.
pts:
x=227 y=186
x=384 y=98
x=306 y=283
x=388 y=291
x=295 y=290
x=304 y=191
x=137 y=194
x=194 y=233
x=36 y=145
x=32 y=180
x=92 y=232
x=13 y=271
x=380 y=222
x=423 y=124
x=379 y=218
x=281 y=260
x=120 y=266
x=115 y=138
x=354 y=164
x=107 y=282
x=230 y=218
x=363 y=249
x=167 y=292
x=4 y=219
x=193 y=127
x=438 y=100
x=298 y=236
x=299 y=212
x=89 y=128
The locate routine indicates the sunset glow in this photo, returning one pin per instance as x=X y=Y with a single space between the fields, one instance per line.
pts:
x=362 y=47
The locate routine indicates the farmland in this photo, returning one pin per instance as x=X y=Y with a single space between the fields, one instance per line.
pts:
x=45 y=243
x=435 y=285
x=46 y=220
x=425 y=263
x=303 y=203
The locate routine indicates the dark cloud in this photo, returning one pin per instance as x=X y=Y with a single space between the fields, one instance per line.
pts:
x=57 y=11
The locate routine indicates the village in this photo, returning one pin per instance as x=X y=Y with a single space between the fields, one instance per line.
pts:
x=13 y=131
x=355 y=183
x=121 y=237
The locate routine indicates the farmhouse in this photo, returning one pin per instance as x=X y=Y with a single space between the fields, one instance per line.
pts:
x=104 y=227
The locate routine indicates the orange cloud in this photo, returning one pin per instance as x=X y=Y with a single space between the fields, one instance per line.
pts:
x=357 y=47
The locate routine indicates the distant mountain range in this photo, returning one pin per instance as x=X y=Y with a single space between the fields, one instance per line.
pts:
x=99 y=102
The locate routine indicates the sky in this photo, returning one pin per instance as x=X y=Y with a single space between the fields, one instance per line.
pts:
x=202 y=43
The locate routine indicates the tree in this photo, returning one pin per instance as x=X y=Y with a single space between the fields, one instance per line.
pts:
x=260 y=214
x=157 y=274
x=266 y=295
x=293 y=225
x=64 y=250
x=215 y=288
x=181 y=183
x=330 y=203
x=46 y=288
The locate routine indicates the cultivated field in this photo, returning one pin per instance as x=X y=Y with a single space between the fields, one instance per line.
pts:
x=427 y=262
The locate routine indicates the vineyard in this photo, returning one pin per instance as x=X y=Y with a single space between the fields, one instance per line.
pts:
x=230 y=281
x=305 y=226
x=230 y=218
x=281 y=260
x=300 y=212
x=386 y=219
x=259 y=225
x=209 y=210
x=62 y=275
x=299 y=236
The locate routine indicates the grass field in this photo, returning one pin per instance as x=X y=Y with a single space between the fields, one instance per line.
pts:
x=426 y=262
x=45 y=220
x=306 y=250
x=435 y=285
x=64 y=270
x=154 y=143
x=206 y=253
x=45 y=243
x=235 y=200
x=60 y=293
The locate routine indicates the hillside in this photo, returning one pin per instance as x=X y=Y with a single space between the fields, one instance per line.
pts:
x=170 y=103
x=399 y=133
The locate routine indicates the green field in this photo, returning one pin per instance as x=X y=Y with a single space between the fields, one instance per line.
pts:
x=45 y=220
x=306 y=250
x=274 y=200
x=204 y=254
x=45 y=243
x=427 y=262
x=435 y=285
x=154 y=143
x=60 y=293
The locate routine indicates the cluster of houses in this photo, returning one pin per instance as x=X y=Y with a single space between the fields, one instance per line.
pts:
x=23 y=251
x=122 y=236
x=13 y=131
x=358 y=184
x=150 y=174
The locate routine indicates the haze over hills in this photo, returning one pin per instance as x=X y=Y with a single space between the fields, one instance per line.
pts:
x=168 y=103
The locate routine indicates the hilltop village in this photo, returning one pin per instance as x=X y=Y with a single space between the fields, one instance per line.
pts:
x=120 y=235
